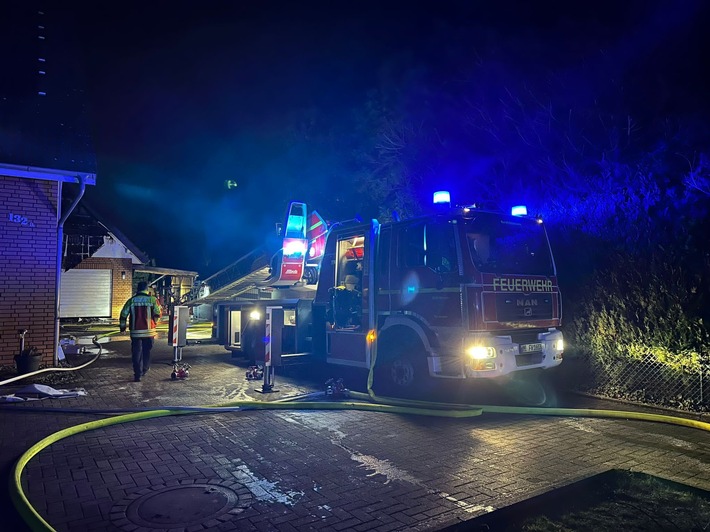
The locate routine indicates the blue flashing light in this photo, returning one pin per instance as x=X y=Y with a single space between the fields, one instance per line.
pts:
x=519 y=210
x=295 y=225
x=442 y=196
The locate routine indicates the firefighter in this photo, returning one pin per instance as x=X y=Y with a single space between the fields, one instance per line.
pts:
x=344 y=311
x=144 y=312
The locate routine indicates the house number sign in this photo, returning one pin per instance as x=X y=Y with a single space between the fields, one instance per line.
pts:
x=19 y=219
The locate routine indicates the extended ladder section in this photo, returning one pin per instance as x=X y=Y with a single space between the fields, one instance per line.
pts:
x=296 y=263
x=247 y=273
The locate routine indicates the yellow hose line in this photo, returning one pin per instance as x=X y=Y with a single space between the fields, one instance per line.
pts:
x=381 y=404
x=349 y=405
x=585 y=412
x=31 y=517
x=414 y=403
x=538 y=411
x=36 y=522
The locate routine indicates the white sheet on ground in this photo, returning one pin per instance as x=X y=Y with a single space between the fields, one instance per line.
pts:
x=35 y=392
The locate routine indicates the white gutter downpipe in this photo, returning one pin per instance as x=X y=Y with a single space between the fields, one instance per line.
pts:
x=60 y=254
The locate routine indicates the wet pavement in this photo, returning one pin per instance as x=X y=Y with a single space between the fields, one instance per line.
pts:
x=302 y=469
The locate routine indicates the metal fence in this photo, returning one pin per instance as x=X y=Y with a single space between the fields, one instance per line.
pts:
x=644 y=381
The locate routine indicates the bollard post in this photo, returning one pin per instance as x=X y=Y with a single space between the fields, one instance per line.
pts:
x=177 y=333
x=268 y=384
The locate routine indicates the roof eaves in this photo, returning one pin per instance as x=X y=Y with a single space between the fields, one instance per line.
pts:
x=47 y=174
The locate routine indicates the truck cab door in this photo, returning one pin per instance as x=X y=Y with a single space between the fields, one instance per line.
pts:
x=348 y=310
x=429 y=271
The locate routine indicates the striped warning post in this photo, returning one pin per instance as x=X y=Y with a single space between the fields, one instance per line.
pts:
x=175 y=329
x=267 y=348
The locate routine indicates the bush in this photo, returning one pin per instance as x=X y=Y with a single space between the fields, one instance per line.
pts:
x=638 y=308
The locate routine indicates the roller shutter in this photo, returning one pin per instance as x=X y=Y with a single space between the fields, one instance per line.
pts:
x=85 y=294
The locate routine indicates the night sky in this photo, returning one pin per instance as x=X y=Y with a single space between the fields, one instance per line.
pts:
x=185 y=96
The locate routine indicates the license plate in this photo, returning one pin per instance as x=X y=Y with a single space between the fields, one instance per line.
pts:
x=530 y=348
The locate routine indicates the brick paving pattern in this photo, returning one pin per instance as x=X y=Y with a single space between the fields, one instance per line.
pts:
x=298 y=470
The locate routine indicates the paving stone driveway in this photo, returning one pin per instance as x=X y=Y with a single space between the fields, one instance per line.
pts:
x=307 y=470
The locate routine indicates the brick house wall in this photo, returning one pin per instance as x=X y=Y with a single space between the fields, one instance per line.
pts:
x=28 y=262
x=122 y=289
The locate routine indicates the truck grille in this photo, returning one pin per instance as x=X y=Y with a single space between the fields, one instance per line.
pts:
x=529 y=336
x=521 y=307
x=529 y=359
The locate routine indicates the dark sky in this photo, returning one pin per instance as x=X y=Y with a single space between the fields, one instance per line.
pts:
x=187 y=95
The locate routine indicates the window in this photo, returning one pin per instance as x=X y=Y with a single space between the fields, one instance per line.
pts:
x=503 y=246
x=440 y=249
x=430 y=245
x=350 y=262
x=411 y=249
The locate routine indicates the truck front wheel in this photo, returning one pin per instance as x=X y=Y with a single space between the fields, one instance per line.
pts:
x=401 y=368
x=403 y=372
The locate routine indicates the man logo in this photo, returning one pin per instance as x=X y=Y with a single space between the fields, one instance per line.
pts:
x=527 y=312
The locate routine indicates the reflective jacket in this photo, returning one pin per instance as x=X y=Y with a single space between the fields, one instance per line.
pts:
x=144 y=312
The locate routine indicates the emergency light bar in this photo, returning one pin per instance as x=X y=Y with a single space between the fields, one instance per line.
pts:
x=519 y=210
x=442 y=196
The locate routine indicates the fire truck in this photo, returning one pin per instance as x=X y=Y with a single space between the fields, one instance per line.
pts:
x=457 y=293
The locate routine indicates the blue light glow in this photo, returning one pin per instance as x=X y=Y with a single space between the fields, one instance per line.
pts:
x=442 y=196
x=519 y=210
x=410 y=288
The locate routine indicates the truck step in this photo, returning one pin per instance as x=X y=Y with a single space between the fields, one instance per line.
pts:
x=292 y=359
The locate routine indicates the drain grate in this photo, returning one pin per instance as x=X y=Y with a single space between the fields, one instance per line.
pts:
x=187 y=504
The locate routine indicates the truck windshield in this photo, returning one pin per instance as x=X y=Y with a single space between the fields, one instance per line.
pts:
x=501 y=244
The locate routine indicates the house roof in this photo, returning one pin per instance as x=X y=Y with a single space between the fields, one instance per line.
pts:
x=87 y=224
x=166 y=271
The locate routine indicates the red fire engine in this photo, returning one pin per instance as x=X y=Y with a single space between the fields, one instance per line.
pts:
x=458 y=293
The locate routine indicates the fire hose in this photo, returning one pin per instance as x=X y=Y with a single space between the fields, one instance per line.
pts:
x=94 y=340
x=366 y=402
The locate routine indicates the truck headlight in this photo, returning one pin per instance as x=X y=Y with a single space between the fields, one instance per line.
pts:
x=560 y=345
x=478 y=352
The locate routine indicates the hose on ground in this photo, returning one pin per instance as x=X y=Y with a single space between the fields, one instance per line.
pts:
x=537 y=411
x=94 y=340
x=37 y=523
x=375 y=404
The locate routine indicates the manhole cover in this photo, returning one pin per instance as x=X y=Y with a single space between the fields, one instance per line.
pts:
x=181 y=506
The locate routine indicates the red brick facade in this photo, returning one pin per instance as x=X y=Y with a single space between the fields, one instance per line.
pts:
x=28 y=265
x=121 y=288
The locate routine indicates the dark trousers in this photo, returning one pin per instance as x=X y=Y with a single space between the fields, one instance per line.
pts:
x=140 y=354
